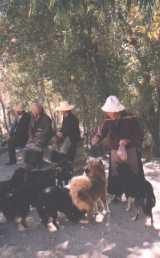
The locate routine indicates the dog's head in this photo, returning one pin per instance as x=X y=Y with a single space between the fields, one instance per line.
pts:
x=95 y=168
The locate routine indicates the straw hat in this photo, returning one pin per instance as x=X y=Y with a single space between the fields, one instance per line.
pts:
x=112 y=104
x=65 y=106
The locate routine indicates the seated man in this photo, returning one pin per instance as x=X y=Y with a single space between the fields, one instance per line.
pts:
x=18 y=135
x=70 y=131
x=40 y=129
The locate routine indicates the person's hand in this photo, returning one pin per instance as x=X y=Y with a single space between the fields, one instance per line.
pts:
x=123 y=142
x=59 y=135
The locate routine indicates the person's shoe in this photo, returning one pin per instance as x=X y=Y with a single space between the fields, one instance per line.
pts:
x=10 y=163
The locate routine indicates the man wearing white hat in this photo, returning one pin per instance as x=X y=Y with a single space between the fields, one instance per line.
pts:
x=124 y=138
x=70 y=131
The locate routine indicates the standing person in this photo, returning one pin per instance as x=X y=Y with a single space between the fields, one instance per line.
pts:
x=18 y=135
x=70 y=131
x=124 y=142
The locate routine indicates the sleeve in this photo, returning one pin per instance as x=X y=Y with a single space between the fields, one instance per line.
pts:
x=137 y=133
x=100 y=133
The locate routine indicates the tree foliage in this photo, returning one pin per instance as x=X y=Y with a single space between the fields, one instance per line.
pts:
x=83 y=51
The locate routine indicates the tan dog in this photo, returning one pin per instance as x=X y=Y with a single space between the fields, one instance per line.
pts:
x=89 y=190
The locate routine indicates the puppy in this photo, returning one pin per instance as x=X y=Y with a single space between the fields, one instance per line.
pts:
x=53 y=200
x=87 y=190
x=14 y=203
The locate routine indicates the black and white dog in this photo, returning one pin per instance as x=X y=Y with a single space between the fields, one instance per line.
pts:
x=28 y=187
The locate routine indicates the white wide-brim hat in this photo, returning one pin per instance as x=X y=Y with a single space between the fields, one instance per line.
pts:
x=112 y=104
x=65 y=106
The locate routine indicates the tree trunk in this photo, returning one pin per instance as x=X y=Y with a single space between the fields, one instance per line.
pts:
x=156 y=144
x=4 y=115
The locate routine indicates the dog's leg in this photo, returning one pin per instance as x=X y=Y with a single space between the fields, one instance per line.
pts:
x=152 y=221
x=25 y=222
x=130 y=203
x=149 y=220
x=137 y=214
x=52 y=225
x=105 y=203
x=19 y=224
x=89 y=216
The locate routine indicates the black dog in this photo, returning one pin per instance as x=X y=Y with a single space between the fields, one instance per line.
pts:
x=25 y=187
x=39 y=179
x=147 y=202
x=22 y=190
x=13 y=204
x=138 y=191
x=53 y=200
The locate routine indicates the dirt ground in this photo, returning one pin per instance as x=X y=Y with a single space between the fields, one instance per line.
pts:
x=116 y=237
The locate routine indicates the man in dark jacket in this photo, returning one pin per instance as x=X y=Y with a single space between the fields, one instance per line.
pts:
x=40 y=133
x=18 y=135
x=70 y=131
x=40 y=128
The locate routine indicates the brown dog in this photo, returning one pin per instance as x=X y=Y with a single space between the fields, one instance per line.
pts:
x=89 y=189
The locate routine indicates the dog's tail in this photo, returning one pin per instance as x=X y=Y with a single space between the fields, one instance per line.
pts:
x=78 y=188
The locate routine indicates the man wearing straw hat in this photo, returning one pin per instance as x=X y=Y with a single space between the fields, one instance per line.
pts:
x=70 y=131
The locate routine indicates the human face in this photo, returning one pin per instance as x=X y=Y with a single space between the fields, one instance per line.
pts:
x=113 y=115
x=36 y=109
x=18 y=110
x=65 y=113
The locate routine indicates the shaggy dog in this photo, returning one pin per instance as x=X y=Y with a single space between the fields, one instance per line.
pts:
x=22 y=190
x=88 y=189
x=145 y=202
x=53 y=200
x=139 y=192
x=25 y=188
x=13 y=204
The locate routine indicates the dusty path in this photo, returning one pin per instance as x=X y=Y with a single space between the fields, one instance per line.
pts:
x=117 y=237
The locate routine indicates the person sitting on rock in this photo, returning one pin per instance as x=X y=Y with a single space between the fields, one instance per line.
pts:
x=69 y=133
x=40 y=131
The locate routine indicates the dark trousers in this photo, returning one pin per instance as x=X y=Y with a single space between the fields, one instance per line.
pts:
x=12 y=145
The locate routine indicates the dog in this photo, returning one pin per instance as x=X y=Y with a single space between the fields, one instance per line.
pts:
x=22 y=190
x=139 y=192
x=145 y=203
x=53 y=200
x=88 y=189
x=13 y=204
